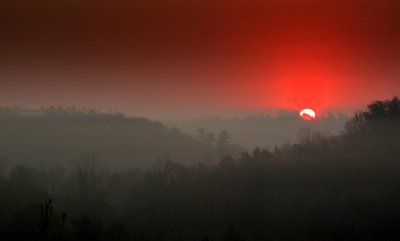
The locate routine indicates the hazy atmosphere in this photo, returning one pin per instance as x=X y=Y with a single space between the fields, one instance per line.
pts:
x=179 y=58
x=206 y=120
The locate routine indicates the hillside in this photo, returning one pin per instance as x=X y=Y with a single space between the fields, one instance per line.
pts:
x=264 y=129
x=58 y=135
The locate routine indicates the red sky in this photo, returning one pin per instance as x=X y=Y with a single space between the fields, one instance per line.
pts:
x=160 y=57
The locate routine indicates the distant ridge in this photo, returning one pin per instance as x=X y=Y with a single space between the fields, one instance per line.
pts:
x=59 y=135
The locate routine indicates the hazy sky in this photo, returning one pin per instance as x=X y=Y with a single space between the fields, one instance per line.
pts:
x=160 y=57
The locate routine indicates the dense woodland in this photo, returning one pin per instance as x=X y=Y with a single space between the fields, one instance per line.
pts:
x=324 y=187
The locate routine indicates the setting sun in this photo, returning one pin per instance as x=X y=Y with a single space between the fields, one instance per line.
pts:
x=307 y=114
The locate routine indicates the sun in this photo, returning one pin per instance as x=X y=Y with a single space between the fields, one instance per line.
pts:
x=307 y=114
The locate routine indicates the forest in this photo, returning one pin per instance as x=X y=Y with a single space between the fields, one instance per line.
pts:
x=263 y=129
x=195 y=188
x=57 y=135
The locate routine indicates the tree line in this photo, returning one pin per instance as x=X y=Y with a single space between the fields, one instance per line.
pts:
x=324 y=187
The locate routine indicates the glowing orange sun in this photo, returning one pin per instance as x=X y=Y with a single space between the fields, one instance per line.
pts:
x=307 y=114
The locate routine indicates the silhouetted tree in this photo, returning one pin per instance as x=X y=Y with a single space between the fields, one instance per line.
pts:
x=356 y=125
x=46 y=214
x=379 y=125
x=321 y=187
x=223 y=142
x=88 y=176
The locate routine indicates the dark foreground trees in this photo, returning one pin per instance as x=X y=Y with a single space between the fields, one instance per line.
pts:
x=321 y=188
x=381 y=120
